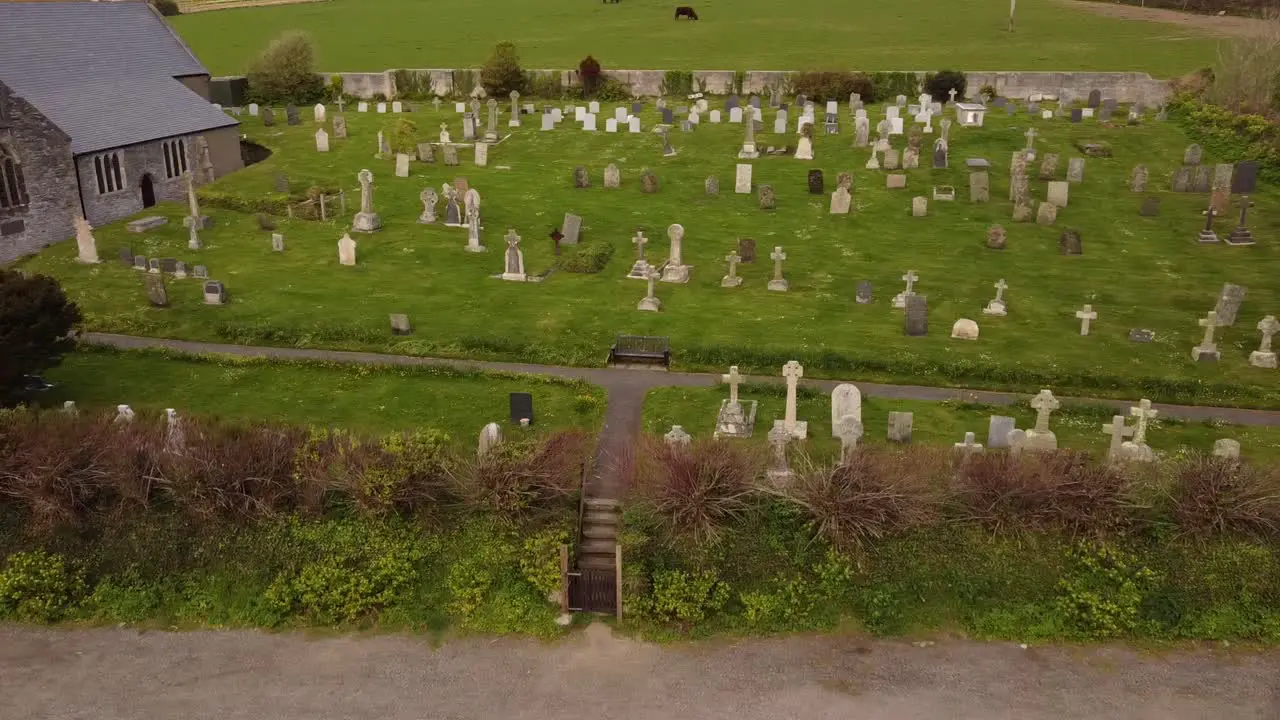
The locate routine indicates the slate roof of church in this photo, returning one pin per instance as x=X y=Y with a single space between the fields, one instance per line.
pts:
x=104 y=72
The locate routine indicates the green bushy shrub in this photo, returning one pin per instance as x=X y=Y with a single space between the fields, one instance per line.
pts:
x=38 y=587
x=1104 y=591
x=940 y=84
x=833 y=85
x=402 y=136
x=285 y=72
x=587 y=257
x=343 y=570
x=542 y=84
x=412 y=84
x=1231 y=136
x=501 y=73
x=677 y=82
x=688 y=597
x=540 y=559
x=889 y=85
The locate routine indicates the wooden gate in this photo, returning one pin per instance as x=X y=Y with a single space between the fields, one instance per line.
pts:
x=593 y=590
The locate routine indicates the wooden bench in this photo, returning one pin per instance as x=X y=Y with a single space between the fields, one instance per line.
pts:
x=640 y=350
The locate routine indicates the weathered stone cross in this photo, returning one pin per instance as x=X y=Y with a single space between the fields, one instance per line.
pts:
x=1268 y=327
x=777 y=256
x=1031 y=138
x=342 y=103
x=1086 y=315
x=733 y=259
x=911 y=279
x=1209 y=323
x=733 y=378
x=1044 y=404
x=792 y=371
x=652 y=278
x=952 y=94
x=1144 y=413
x=1118 y=432
x=639 y=241
x=1000 y=287
x=969 y=446
x=512 y=239
x=366 y=191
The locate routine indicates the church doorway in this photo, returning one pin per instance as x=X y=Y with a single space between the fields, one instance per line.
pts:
x=148 y=191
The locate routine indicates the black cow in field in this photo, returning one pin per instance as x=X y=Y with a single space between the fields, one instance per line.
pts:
x=686 y=11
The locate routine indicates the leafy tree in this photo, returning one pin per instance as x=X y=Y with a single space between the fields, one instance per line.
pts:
x=589 y=71
x=285 y=72
x=939 y=85
x=36 y=320
x=501 y=72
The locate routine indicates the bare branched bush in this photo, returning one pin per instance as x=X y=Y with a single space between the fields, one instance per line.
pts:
x=1247 y=70
x=696 y=490
x=1061 y=490
x=521 y=482
x=1221 y=496
x=869 y=496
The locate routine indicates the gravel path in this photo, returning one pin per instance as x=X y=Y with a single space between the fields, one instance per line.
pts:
x=113 y=674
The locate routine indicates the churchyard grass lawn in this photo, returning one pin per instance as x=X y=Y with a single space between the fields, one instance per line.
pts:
x=1137 y=272
x=354 y=397
x=1078 y=427
x=373 y=35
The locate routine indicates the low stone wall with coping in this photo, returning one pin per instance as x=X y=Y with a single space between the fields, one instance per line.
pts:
x=1125 y=87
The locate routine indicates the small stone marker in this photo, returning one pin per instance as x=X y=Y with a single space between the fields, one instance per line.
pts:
x=900 y=427
x=215 y=293
x=572 y=229
x=1075 y=170
x=996 y=237
x=711 y=186
x=916 y=320
x=347 y=250
x=747 y=249
x=581 y=178
x=1087 y=315
x=841 y=201
x=919 y=206
x=277 y=242
x=612 y=176
x=1057 y=193
x=1046 y=213
x=648 y=182
x=340 y=127
x=1117 y=430
x=979 y=187
x=895 y=181
x=768 y=200
x=1207 y=350
x=157 y=295
x=1226 y=448
x=998 y=429
x=322 y=140
x=1229 y=301
x=732 y=279
x=970 y=445
x=677 y=437
x=1069 y=242
x=1264 y=357
x=778 y=283
x=864 y=295
x=964 y=329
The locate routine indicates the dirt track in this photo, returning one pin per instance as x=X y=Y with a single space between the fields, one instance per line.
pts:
x=1220 y=26
x=111 y=674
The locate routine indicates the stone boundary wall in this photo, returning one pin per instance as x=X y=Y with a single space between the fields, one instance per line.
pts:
x=1125 y=87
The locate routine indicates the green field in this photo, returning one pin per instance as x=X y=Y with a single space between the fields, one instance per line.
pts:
x=354 y=397
x=374 y=35
x=1078 y=427
x=1136 y=271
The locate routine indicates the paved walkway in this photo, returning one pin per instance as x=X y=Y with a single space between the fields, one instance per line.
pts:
x=626 y=391
x=117 y=674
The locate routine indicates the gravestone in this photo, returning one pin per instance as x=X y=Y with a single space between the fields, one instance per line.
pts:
x=521 y=407
x=126 y=256
x=747 y=250
x=1046 y=213
x=996 y=237
x=1057 y=193
x=277 y=242
x=1192 y=155
x=648 y=182
x=998 y=429
x=268 y=117
x=711 y=185
x=291 y=115
x=1069 y=243
x=612 y=176
x=156 y=293
x=426 y=152
x=815 y=182
x=1150 y=207
x=1049 y=166
x=900 y=427
x=895 y=181
x=979 y=187
x=1203 y=179
x=1245 y=180
x=768 y=201
x=450 y=154
x=215 y=293
x=1182 y=179
x=581 y=178
x=864 y=294
x=340 y=127
x=841 y=201
x=1138 y=179
x=168 y=265
x=742 y=179
x=400 y=324
x=1075 y=170
x=916 y=321
x=919 y=206
x=1229 y=301
x=1077 y=115
x=200 y=272
x=572 y=229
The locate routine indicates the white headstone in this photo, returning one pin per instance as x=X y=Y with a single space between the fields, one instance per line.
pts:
x=322 y=140
x=611 y=125
x=634 y=123
x=397 y=106
x=846 y=401
x=742 y=179
x=589 y=122
x=402 y=165
x=347 y=250
x=490 y=438
x=382 y=107
x=86 y=245
x=320 y=112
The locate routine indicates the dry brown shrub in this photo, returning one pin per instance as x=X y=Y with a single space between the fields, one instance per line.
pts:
x=1062 y=490
x=1246 y=72
x=872 y=494
x=523 y=480
x=1221 y=496
x=695 y=490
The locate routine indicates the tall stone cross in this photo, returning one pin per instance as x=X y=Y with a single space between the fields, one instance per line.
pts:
x=1086 y=315
x=777 y=256
x=1268 y=327
x=792 y=371
x=1209 y=323
x=952 y=94
x=734 y=258
x=639 y=241
x=732 y=378
x=515 y=107
x=1031 y=138
x=1118 y=432
x=192 y=202
x=911 y=279
x=1000 y=287
x=652 y=278
x=493 y=115
x=342 y=103
x=1144 y=413
x=1044 y=404
x=366 y=191
x=750 y=130
x=946 y=128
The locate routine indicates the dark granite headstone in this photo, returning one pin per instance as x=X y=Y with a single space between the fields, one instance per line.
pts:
x=1141 y=335
x=291 y=115
x=864 y=295
x=747 y=249
x=1076 y=115
x=916 y=322
x=731 y=103
x=1095 y=98
x=1245 y=181
x=815 y=182
x=1069 y=243
x=126 y=256
x=637 y=108
x=1204 y=179
x=169 y=265
x=268 y=117
x=667 y=116
x=1150 y=207
x=521 y=407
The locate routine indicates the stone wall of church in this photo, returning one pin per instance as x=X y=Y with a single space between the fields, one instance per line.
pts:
x=136 y=162
x=44 y=153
